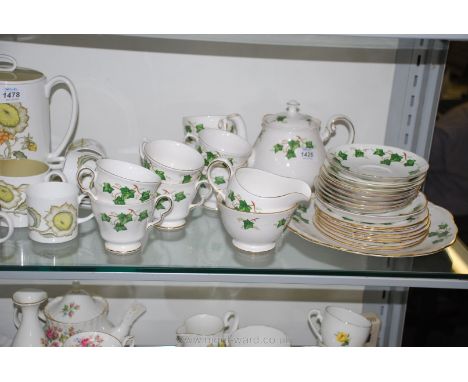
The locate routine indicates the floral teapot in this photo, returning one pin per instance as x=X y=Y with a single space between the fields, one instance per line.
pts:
x=292 y=144
x=78 y=312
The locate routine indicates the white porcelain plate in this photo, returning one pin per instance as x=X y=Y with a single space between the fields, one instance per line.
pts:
x=378 y=161
x=442 y=233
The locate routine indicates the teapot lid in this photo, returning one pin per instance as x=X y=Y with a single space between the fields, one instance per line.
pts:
x=11 y=73
x=291 y=117
x=76 y=306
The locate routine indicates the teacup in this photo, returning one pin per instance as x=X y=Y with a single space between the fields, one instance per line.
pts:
x=183 y=196
x=123 y=227
x=216 y=144
x=87 y=144
x=53 y=212
x=75 y=160
x=15 y=176
x=254 y=232
x=193 y=125
x=253 y=190
x=118 y=182
x=258 y=336
x=339 y=327
x=97 y=339
x=207 y=330
x=172 y=161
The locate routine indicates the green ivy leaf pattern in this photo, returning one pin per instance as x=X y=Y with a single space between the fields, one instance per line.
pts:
x=120 y=227
x=119 y=201
x=145 y=195
x=277 y=148
x=210 y=156
x=281 y=118
x=289 y=147
x=379 y=152
x=161 y=174
x=387 y=162
x=281 y=222
x=343 y=155
x=188 y=129
x=358 y=153
x=199 y=127
x=124 y=218
x=441 y=234
x=146 y=164
x=395 y=157
x=105 y=218
x=248 y=224
x=160 y=204
x=231 y=196
x=143 y=215
x=106 y=187
x=187 y=179
x=127 y=193
x=243 y=206
x=219 y=180
x=179 y=196
x=410 y=163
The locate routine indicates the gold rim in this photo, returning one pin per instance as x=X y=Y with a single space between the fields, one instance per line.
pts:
x=371 y=228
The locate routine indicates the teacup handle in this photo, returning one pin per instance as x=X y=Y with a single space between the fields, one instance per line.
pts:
x=191 y=136
x=330 y=128
x=142 y=148
x=86 y=171
x=203 y=198
x=86 y=218
x=231 y=322
x=128 y=341
x=315 y=313
x=58 y=173
x=156 y=221
x=238 y=122
x=210 y=168
x=10 y=225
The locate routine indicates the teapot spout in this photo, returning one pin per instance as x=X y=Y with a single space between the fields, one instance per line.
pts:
x=131 y=315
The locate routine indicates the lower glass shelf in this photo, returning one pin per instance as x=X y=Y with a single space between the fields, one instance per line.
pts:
x=203 y=252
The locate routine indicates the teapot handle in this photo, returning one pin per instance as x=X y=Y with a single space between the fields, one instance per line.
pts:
x=74 y=112
x=330 y=128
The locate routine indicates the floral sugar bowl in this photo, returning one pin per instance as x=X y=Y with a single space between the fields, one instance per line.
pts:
x=291 y=144
x=78 y=312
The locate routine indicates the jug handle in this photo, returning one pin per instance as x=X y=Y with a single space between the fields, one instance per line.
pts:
x=74 y=112
x=315 y=313
x=9 y=60
x=330 y=128
x=210 y=168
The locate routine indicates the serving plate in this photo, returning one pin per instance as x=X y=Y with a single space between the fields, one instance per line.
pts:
x=442 y=233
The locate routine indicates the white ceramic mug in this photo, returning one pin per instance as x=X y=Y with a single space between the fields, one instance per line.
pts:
x=339 y=327
x=172 y=161
x=25 y=112
x=183 y=196
x=207 y=330
x=118 y=182
x=258 y=336
x=123 y=227
x=15 y=177
x=194 y=124
x=53 y=212
x=98 y=339
x=216 y=144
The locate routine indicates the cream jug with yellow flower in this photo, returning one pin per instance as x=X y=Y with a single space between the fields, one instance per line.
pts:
x=25 y=113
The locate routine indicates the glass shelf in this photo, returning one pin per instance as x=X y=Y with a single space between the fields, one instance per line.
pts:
x=203 y=252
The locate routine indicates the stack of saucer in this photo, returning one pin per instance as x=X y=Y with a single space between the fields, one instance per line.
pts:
x=368 y=197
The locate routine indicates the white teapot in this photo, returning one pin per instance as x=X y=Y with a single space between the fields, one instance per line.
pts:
x=24 y=112
x=291 y=144
x=78 y=312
